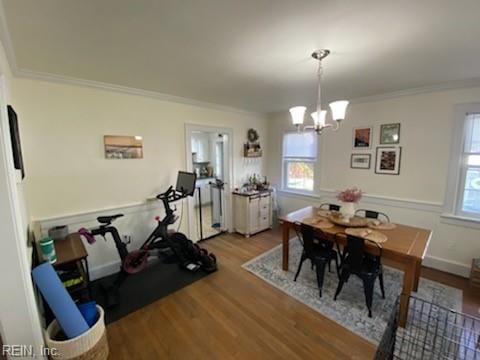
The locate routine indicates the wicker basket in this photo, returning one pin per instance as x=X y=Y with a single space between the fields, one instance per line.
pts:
x=91 y=345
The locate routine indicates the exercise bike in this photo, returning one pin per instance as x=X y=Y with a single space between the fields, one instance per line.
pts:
x=167 y=244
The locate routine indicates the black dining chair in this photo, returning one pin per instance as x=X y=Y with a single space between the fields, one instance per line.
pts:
x=319 y=252
x=330 y=207
x=371 y=214
x=360 y=263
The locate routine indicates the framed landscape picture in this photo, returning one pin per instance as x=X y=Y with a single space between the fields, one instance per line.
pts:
x=360 y=161
x=123 y=147
x=362 y=138
x=388 y=160
x=390 y=134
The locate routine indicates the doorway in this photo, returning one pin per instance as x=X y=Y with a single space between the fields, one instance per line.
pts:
x=209 y=156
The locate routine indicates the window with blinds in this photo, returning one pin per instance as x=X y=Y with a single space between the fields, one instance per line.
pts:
x=299 y=157
x=470 y=168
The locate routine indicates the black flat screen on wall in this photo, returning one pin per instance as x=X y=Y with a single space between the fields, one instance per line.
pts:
x=15 y=137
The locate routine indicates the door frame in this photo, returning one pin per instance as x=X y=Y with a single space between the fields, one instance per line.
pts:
x=228 y=171
x=19 y=315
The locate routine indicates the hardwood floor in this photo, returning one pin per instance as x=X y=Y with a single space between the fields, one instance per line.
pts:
x=232 y=314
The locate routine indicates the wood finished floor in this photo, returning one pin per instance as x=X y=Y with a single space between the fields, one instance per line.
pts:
x=232 y=314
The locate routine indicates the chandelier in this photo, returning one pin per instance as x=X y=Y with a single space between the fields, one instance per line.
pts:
x=338 y=108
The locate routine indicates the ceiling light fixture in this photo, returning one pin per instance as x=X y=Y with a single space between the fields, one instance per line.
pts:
x=338 y=108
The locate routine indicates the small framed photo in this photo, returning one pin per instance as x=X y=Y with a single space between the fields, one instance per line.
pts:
x=360 y=161
x=362 y=138
x=388 y=160
x=390 y=134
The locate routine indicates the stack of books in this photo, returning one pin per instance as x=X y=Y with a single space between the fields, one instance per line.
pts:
x=475 y=274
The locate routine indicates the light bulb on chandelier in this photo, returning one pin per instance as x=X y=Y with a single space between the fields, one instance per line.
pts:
x=338 y=108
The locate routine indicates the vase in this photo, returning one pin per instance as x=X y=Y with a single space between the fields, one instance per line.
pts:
x=347 y=210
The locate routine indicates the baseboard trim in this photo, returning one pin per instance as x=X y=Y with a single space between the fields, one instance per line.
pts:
x=104 y=270
x=448 y=266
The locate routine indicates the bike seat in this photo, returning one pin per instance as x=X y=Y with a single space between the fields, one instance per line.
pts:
x=108 y=219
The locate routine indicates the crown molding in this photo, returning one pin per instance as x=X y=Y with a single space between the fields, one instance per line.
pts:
x=443 y=86
x=29 y=74
x=5 y=38
x=24 y=73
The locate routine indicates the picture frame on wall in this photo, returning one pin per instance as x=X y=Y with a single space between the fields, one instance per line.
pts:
x=360 y=161
x=362 y=138
x=388 y=160
x=15 y=139
x=390 y=134
x=123 y=147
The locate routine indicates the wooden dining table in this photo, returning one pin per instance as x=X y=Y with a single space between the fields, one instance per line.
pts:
x=406 y=246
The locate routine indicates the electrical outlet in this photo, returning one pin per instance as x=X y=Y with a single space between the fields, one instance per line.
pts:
x=127 y=239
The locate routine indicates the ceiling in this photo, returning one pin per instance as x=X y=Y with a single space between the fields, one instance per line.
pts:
x=249 y=54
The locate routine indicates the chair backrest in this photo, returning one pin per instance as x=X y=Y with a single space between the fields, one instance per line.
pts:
x=371 y=214
x=356 y=252
x=308 y=235
x=331 y=207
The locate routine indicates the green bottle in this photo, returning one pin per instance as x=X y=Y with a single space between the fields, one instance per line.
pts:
x=48 y=250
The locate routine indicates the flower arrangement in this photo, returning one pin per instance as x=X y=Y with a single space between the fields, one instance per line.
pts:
x=352 y=195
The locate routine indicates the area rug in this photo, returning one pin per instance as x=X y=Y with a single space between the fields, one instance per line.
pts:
x=349 y=310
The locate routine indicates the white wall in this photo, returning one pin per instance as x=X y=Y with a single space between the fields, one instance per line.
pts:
x=19 y=319
x=62 y=128
x=415 y=196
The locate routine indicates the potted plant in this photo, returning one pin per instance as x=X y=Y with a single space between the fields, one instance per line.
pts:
x=349 y=197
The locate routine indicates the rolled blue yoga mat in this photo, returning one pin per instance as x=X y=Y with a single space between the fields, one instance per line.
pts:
x=68 y=316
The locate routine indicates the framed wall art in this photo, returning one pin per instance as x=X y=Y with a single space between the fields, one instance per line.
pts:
x=15 y=138
x=388 y=160
x=362 y=138
x=390 y=134
x=123 y=147
x=360 y=161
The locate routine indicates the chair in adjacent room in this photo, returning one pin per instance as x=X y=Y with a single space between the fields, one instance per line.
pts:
x=362 y=264
x=319 y=252
x=330 y=207
x=371 y=214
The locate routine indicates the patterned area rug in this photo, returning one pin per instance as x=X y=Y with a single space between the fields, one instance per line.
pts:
x=349 y=310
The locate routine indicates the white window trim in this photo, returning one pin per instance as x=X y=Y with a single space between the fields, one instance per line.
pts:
x=285 y=160
x=452 y=212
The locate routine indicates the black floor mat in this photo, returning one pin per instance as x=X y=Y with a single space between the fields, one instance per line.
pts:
x=153 y=283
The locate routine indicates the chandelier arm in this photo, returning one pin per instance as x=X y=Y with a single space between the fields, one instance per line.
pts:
x=334 y=127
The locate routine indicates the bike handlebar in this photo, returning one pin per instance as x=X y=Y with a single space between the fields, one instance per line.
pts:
x=171 y=195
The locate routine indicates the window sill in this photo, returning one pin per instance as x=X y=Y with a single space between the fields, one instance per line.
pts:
x=458 y=220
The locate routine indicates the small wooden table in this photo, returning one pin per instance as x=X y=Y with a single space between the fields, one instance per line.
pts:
x=406 y=245
x=71 y=250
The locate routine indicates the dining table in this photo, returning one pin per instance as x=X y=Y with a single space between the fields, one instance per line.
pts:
x=406 y=246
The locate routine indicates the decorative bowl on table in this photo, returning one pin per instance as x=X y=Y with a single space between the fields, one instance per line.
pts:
x=355 y=221
x=318 y=222
x=324 y=213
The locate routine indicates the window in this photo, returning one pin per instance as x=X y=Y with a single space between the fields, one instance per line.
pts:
x=299 y=156
x=469 y=184
x=462 y=200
